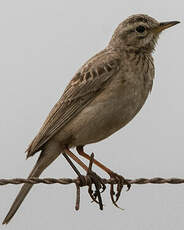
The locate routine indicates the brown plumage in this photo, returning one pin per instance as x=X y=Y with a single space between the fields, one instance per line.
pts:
x=104 y=95
x=86 y=84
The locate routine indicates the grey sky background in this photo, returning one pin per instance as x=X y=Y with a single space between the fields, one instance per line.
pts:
x=42 y=45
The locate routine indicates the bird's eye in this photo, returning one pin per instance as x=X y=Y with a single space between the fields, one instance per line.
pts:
x=140 y=29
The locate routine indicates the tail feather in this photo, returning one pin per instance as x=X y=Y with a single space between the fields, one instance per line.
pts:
x=44 y=160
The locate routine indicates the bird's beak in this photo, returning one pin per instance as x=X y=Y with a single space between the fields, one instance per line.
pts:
x=164 y=25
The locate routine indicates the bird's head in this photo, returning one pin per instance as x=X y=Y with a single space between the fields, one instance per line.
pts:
x=139 y=33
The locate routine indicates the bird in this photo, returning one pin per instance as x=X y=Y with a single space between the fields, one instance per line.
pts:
x=103 y=96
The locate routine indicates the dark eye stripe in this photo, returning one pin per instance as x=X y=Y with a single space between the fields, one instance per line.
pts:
x=131 y=31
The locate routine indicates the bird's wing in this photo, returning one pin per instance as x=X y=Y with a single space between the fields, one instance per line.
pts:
x=89 y=81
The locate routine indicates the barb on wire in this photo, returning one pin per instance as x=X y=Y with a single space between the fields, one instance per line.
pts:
x=90 y=179
x=65 y=181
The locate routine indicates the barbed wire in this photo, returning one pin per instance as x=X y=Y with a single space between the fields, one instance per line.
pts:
x=86 y=182
x=91 y=179
x=66 y=181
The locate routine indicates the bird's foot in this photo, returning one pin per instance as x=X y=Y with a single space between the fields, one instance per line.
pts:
x=121 y=181
x=91 y=179
x=97 y=181
x=99 y=188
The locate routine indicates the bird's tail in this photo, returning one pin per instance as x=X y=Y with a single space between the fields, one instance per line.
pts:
x=44 y=160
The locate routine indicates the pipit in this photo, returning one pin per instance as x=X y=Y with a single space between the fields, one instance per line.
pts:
x=103 y=96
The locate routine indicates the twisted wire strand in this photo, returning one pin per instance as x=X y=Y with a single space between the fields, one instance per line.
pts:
x=65 y=181
x=92 y=178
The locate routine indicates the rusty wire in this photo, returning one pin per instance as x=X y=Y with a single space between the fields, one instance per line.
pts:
x=87 y=182
x=65 y=181
x=91 y=179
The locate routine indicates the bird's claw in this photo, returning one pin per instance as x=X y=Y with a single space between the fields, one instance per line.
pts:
x=99 y=185
x=121 y=181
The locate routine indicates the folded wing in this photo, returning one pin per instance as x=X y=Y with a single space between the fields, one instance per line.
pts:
x=89 y=81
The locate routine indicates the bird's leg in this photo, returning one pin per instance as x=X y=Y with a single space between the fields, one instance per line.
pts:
x=119 y=179
x=98 y=182
x=75 y=158
x=81 y=152
x=82 y=180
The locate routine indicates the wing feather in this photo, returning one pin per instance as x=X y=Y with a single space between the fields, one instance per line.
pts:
x=89 y=81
